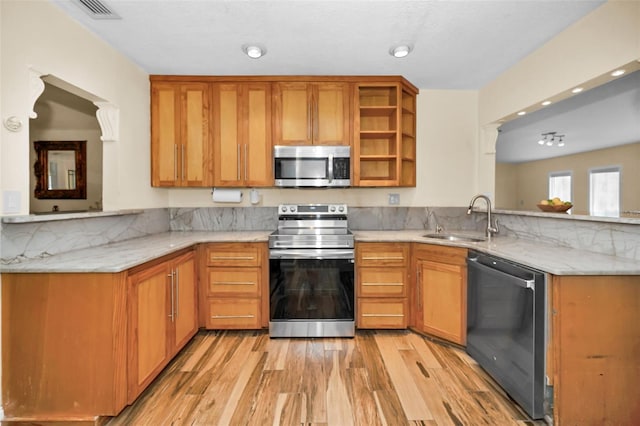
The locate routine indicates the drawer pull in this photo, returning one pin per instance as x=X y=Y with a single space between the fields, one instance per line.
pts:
x=234 y=283
x=231 y=316
x=382 y=315
x=231 y=257
x=382 y=257
x=383 y=284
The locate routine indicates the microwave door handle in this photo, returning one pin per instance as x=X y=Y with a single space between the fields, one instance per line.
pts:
x=330 y=167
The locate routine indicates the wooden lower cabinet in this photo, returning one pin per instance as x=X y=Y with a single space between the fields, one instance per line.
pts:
x=162 y=317
x=440 y=293
x=234 y=275
x=381 y=285
x=64 y=346
x=595 y=350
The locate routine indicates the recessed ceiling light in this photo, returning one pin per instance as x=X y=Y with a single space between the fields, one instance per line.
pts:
x=253 y=51
x=545 y=103
x=400 y=51
x=522 y=112
x=577 y=90
x=617 y=73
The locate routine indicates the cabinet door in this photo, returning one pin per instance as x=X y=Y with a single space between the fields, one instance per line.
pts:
x=242 y=139
x=180 y=135
x=185 y=322
x=165 y=134
x=149 y=293
x=292 y=105
x=257 y=149
x=331 y=114
x=441 y=297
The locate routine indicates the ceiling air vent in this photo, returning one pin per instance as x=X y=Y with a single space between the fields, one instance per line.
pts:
x=97 y=9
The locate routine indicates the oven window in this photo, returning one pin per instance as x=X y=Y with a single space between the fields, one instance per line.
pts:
x=301 y=168
x=304 y=289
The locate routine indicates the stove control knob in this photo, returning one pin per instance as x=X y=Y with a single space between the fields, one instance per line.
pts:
x=284 y=208
x=292 y=208
x=341 y=209
x=332 y=208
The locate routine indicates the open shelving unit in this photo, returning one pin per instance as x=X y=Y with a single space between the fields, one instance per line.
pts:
x=384 y=148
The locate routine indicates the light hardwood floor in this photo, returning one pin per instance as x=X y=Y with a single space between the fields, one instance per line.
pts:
x=376 y=378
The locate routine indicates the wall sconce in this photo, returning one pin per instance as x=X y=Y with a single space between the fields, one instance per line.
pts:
x=551 y=139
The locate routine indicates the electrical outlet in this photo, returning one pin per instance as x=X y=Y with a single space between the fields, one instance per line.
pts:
x=394 y=199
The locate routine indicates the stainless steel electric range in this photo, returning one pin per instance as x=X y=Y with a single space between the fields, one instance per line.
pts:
x=311 y=272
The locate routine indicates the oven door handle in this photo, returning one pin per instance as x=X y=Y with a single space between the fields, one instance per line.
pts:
x=311 y=254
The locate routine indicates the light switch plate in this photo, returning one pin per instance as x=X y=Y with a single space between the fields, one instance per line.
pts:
x=394 y=199
x=11 y=202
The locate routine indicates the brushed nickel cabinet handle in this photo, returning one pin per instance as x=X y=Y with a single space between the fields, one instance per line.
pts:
x=171 y=275
x=183 y=178
x=382 y=257
x=383 y=315
x=177 y=271
x=238 y=162
x=231 y=316
x=232 y=258
x=234 y=283
x=384 y=284
x=175 y=161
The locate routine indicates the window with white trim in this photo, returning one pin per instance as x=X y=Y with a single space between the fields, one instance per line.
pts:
x=560 y=185
x=604 y=191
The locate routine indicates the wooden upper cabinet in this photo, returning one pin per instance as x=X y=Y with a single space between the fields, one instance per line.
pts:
x=384 y=147
x=242 y=134
x=180 y=135
x=312 y=113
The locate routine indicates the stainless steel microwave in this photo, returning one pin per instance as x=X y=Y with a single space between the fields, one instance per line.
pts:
x=312 y=166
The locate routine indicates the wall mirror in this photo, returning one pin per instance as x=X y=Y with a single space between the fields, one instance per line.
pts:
x=600 y=129
x=60 y=169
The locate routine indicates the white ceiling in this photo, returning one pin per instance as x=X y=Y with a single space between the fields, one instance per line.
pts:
x=456 y=44
x=605 y=116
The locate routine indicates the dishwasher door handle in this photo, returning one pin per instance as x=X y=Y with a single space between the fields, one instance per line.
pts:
x=521 y=282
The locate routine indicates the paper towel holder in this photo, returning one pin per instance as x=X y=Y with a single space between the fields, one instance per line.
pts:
x=226 y=195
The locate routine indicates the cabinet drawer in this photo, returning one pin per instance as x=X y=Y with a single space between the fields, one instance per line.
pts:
x=382 y=313
x=234 y=254
x=239 y=282
x=233 y=313
x=441 y=254
x=382 y=254
x=381 y=282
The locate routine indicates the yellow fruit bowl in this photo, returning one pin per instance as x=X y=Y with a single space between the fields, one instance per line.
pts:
x=562 y=208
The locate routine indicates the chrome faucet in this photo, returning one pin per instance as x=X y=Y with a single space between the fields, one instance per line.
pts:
x=490 y=228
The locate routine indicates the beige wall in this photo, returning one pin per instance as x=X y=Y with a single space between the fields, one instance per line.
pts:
x=603 y=40
x=72 y=54
x=523 y=185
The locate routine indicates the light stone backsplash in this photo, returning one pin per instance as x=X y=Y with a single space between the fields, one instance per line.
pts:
x=21 y=241
x=223 y=219
x=611 y=238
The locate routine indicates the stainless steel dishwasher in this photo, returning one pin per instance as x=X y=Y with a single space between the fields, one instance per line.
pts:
x=506 y=328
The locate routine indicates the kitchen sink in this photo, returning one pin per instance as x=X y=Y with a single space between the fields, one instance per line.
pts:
x=455 y=237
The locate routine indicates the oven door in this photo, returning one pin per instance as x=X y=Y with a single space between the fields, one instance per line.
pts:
x=312 y=293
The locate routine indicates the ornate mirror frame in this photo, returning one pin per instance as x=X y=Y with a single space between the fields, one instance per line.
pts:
x=41 y=169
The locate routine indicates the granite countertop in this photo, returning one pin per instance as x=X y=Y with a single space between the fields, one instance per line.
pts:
x=123 y=255
x=554 y=259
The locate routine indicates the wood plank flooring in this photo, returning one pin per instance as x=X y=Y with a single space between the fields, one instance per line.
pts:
x=376 y=378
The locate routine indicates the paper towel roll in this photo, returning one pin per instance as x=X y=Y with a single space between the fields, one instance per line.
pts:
x=224 y=195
